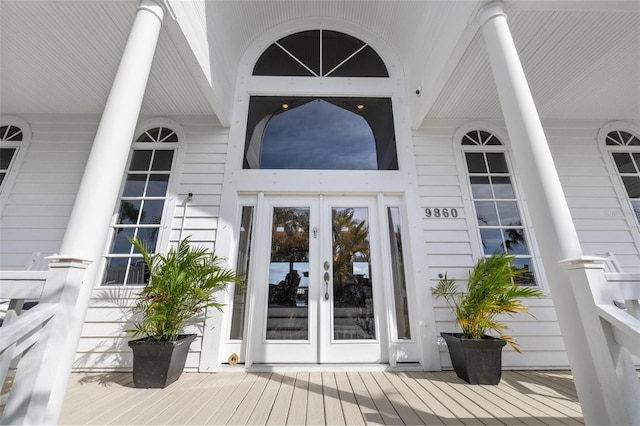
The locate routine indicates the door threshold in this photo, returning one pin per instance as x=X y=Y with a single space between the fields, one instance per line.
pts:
x=267 y=368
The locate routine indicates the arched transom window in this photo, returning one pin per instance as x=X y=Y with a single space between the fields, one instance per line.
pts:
x=626 y=156
x=320 y=132
x=320 y=53
x=495 y=201
x=10 y=136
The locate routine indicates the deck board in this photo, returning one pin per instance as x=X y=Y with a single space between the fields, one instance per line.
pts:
x=399 y=404
x=368 y=409
x=350 y=408
x=332 y=407
x=263 y=407
x=315 y=400
x=327 y=397
x=280 y=409
x=298 y=407
x=382 y=403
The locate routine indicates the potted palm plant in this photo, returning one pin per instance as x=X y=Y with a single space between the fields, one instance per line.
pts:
x=180 y=287
x=491 y=291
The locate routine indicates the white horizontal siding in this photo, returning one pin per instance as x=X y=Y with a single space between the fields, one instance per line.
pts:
x=36 y=212
x=600 y=215
x=593 y=201
x=104 y=340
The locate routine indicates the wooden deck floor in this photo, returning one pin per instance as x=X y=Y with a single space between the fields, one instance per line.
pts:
x=332 y=398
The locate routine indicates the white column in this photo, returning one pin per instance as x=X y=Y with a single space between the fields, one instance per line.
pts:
x=89 y=223
x=88 y=227
x=91 y=216
x=548 y=209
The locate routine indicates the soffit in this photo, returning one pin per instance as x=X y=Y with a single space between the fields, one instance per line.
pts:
x=580 y=64
x=61 y=57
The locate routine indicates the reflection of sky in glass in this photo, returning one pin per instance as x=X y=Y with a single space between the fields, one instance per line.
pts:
x=491 y=240
x=279 y=270
x=318 y=135
x=486 y=213
x=361 y=268
x=508 y=211
x=480 y=187
x=359 y=214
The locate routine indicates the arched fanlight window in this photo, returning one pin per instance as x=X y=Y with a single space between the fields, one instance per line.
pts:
x=495 y=201
x=141 y=205
x=9 y=135
x=320 y=53
x=627 y=162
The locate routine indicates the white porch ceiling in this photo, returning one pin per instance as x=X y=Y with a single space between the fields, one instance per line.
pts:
x=582 y=58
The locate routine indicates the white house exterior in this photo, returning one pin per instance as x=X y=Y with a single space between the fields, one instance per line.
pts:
x=171 y=139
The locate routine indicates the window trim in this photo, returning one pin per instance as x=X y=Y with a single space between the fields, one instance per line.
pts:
x=626 y=208
x=18 y=158
x=470 y=213
x=172 y=196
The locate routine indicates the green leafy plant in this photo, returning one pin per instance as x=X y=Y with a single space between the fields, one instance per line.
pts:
x=181 y=286
x=491 y=291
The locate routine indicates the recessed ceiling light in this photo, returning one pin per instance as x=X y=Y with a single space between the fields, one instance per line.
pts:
x=360 y=107
x=285 y=106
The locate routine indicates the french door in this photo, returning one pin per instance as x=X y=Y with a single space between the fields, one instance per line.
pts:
x=318 y=288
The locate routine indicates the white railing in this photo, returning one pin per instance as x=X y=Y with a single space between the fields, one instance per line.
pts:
x=18 y=336
x=608 y=307
x=32 y=342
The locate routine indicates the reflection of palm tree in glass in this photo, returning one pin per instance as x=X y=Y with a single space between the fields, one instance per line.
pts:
x=290 y=241
x=129 y=212
x=515 y=238
x=350 y=244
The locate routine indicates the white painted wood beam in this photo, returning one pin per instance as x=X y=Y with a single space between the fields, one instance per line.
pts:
x=204 y=80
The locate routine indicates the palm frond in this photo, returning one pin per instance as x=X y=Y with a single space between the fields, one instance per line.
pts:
x=491 y=291
x=182 y=285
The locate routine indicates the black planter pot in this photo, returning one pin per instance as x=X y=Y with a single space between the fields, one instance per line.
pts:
x=477 y=362
x=158 y=364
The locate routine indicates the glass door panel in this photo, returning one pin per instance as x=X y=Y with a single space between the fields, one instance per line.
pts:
x=288 y=303
x=353 y=314
x=318 y=281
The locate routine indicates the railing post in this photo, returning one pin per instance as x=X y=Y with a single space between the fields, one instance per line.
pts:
x=617 y=377
x=41 y=379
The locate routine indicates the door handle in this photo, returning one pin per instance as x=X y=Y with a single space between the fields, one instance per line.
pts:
x=326 y=285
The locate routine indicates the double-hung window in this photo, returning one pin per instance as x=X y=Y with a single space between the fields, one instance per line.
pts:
x=495 y=201
x=142 y=202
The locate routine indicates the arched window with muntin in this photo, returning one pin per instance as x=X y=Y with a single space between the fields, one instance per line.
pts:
x=496 y=204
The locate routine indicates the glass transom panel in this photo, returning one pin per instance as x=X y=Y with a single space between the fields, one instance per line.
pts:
x=320 y=53
x=320 y=133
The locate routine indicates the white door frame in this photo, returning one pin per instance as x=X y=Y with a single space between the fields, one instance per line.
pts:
x=320 y=348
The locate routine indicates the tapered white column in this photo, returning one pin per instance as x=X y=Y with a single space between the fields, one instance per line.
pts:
x=550 y=216
x=90 y=220
x=91 y=216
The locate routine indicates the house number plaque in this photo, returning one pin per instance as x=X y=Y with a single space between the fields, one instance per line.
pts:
x=441 y=212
